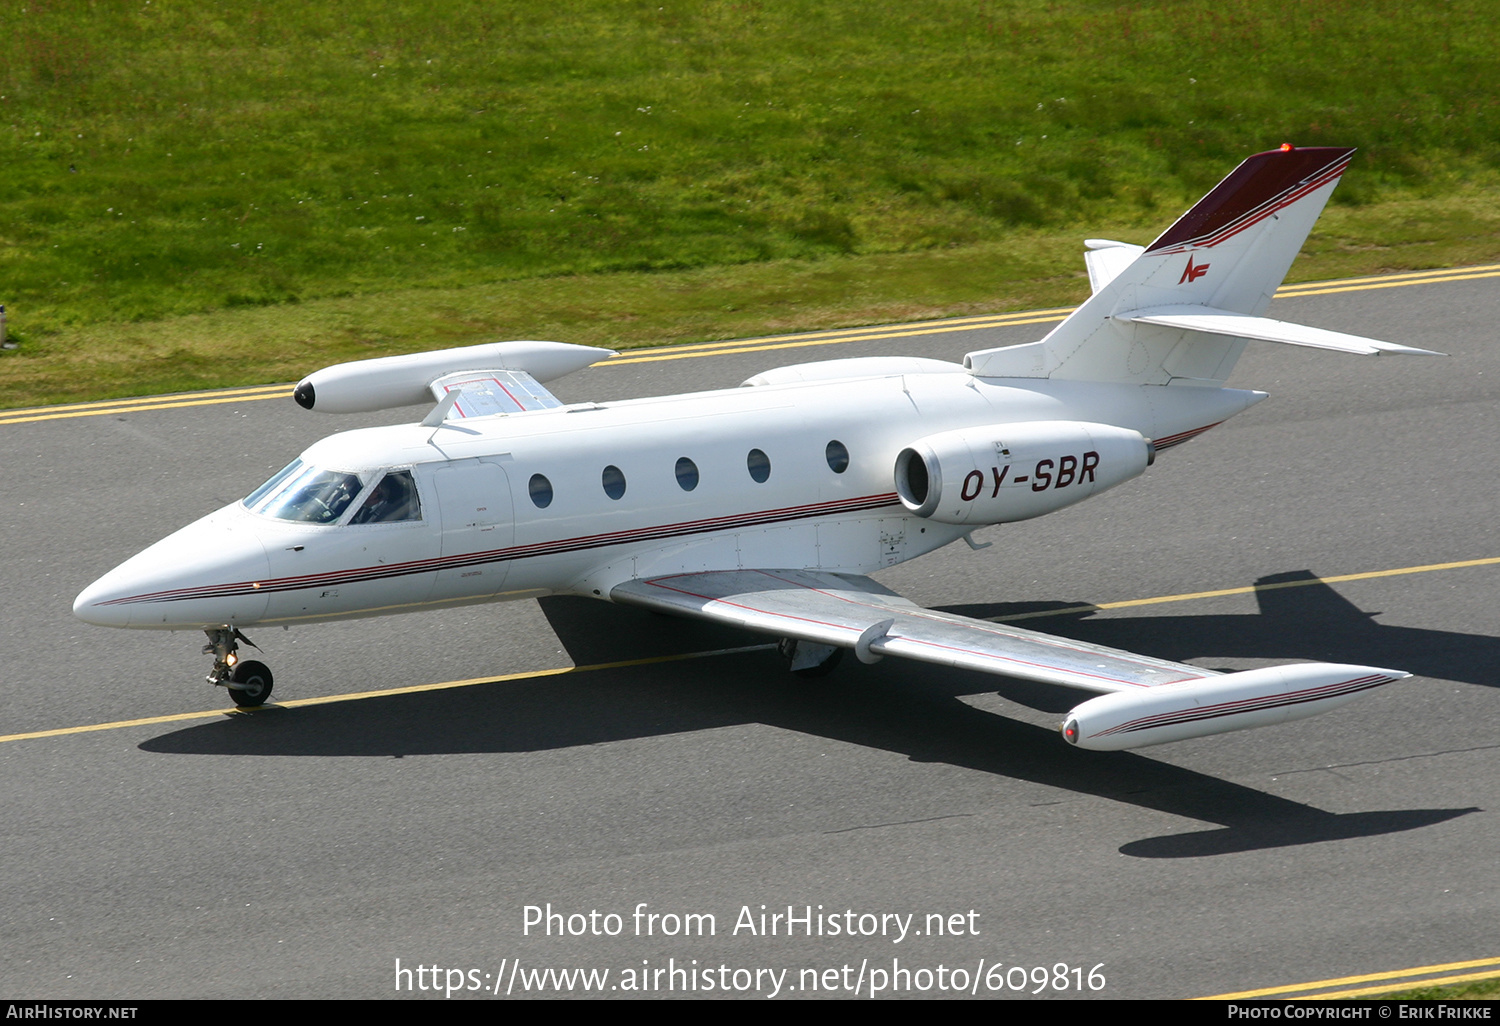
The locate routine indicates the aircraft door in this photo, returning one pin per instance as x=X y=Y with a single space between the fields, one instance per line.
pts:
x=479 y=528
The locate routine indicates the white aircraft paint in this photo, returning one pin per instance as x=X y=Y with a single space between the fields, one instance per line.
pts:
x=765 y=506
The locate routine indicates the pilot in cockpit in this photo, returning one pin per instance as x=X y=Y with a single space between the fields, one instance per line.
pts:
x=393 y=498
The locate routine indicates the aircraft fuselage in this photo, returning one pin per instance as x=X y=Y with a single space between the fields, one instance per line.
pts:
x=577 y=499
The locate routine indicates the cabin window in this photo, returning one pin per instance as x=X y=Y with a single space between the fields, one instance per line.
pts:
x=541 y=491
x=393 y=499
x=837 y=456
x=759 y=465
x=614 y=482
x=687 y=474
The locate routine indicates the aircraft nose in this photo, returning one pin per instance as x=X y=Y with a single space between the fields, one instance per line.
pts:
x=97 y=604
x=210 y=572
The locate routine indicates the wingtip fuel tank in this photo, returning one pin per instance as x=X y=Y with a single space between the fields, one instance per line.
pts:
x=364 y=386
x=1216 y=705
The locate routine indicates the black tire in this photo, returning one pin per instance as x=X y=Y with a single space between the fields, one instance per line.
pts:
x=252 y=684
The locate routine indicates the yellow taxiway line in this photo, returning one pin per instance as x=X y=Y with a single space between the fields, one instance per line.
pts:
x=1248 y=590
x=413 y=689
x=1388 y=281
x=155 y=402
x=1420 y=976
x=828 y=338
x=1399 y=979
x=563 y=670
x=755 y=345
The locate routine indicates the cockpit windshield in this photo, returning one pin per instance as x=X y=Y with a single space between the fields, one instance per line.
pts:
x=306 y=493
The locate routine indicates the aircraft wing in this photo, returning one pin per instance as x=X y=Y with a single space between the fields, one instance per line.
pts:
x=848 y=611
x=483 y=393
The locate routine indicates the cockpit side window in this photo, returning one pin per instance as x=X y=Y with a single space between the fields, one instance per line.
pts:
x=393 y=499
x=306 y=494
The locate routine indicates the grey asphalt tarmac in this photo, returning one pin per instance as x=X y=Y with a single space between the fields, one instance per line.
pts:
x=313 y=851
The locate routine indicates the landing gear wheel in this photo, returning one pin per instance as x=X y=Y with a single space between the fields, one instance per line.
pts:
x=251 y=684
x=250 y=681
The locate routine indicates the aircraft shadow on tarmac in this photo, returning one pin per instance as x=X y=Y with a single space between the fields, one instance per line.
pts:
x=1300 y=618
x=901 y=707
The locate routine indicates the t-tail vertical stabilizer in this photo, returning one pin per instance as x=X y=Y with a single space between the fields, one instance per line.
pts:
x=1180 y=310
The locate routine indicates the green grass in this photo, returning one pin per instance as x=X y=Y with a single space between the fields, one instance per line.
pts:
x=255 y=345
x=377 y=176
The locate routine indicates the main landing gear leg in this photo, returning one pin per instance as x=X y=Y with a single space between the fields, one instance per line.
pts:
x=248 y=682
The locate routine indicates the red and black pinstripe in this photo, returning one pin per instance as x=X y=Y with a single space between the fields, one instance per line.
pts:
x=1245 y=705
x=1258 y=188
x=357 y=575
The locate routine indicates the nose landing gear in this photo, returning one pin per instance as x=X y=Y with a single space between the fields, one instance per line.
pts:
x=248 y=682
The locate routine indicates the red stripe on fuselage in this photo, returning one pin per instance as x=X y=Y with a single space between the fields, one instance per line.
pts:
x=356 y=575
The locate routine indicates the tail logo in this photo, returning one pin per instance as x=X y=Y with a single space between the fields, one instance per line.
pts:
x=1190 y=273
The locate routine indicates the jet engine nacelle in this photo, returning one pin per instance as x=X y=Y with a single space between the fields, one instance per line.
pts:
x=364 y=386
x=1215 y=705
x=1007 y=472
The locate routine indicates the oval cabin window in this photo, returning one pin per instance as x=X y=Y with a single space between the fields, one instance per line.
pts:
x=541 y=491
x=614 y=482
x=837 y=456
x=759 y=465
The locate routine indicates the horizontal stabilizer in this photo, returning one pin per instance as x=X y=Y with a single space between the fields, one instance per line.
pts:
x=1222 y=259
x=1264 y=329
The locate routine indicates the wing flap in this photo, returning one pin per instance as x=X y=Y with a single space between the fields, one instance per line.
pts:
x=855 y=612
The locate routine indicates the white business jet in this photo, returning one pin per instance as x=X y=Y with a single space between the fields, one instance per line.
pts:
x=765 y=506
